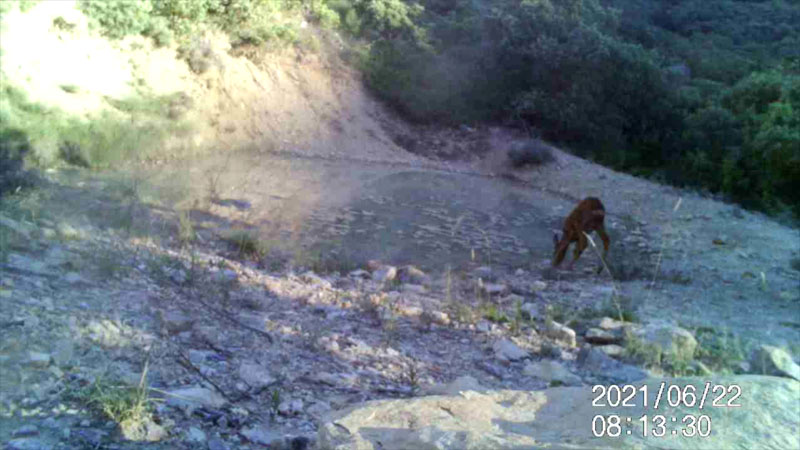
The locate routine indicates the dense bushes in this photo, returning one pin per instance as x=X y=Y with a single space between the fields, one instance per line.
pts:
x=597 y=80
x=249 y=21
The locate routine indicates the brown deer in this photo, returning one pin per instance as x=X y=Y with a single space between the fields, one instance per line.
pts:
x=588 y=216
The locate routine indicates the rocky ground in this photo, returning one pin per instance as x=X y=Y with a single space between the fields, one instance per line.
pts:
x=325 y=253
x=245 y=348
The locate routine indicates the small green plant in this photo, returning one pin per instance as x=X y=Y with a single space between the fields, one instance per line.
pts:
x=721 y=350
x=518 y=319
x=492 y=313
x=186 y=233
x=555 y=312
x=319 y=261
x=618 y=307
x=274 y=403
x=463 y=313
x=60 y=23
x=124 y=404
x=411 y=377
x=649 y=355
x=247 y=244
x=195 y=264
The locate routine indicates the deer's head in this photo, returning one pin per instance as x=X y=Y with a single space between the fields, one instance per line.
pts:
x=559 y=249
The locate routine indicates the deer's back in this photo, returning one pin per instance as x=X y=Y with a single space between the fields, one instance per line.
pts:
x=588 y=215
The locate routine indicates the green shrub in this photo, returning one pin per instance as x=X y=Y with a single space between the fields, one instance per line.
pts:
x=184 y=16
x=14 y=145
x=119 y=19
x=160 y=31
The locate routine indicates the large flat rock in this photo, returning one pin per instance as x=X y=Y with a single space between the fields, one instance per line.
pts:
x=561 y=418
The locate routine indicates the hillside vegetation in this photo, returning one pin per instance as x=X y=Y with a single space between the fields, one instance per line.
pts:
x=697 y=93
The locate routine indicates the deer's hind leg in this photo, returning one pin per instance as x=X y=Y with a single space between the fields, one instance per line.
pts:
x=606 y=243
x=580 y=246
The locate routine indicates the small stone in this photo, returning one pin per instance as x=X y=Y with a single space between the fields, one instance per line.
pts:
x=72 y=278
x=312 y=278
x=460 y=384
x=529 y=311
x=360 y=273
x=494 y=289
x=409 y=310
x=413 y=275
x=484 y=273
x=561 y=333
x=318 y=409
x=675 y=343
x=262 y=435
x=770 y=360
x=38 y=360
x=549 y=370
x=597 y=362
x=437 y=317
x=598 y=336
x=504 y=349
x=195 y=435
x=492 y=369
x=25 y=431
x=199 y=357
x=193 y=397
x=175 y=322
x=612 y=350
x=64 y=352
x=90 y=436
x=289 y=408
x=217 y=444
x=142 y=430
x=26 y=444
x=551 y=350
x=607 y=323
x=255 y=375
x=538 y=286
x=385 y=274
x=68 y=232
x=414 y=288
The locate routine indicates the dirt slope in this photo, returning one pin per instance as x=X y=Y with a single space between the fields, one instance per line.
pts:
x=309 y=104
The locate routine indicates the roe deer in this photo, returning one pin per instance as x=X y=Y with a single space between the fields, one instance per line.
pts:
x=588 y=216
